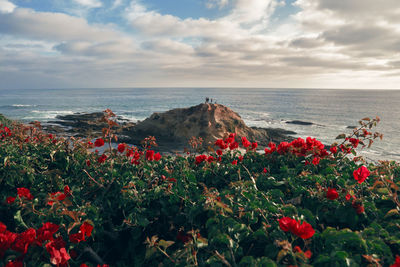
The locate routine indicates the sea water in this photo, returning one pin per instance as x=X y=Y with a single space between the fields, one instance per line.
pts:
x=331 y=111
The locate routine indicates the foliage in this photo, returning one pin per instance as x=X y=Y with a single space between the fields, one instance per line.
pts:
x=296 y=204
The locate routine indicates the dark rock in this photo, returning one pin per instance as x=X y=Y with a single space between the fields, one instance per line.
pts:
x=85 y=125
x=297 y=122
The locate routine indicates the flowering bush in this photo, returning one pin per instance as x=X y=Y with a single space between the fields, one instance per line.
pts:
x=299 y=203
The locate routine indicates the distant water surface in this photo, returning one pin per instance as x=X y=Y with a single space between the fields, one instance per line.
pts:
x=331 y=111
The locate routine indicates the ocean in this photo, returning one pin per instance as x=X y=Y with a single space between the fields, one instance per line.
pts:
x=331 y=111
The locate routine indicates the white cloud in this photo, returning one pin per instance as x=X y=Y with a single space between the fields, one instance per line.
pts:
x=89 y=3
x=217 y=3
x=116 y=4
x=54 y=27
x=6 y=6
x=326 y=44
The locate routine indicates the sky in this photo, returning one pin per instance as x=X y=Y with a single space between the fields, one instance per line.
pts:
x=352 y=44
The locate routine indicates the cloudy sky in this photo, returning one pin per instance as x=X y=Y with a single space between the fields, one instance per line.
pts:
x=200 y=43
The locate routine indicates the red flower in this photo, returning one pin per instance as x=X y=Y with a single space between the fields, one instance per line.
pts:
x=84 y=231
x=254 y=145
x=233 y=145
x=308 y=254
x=99 y=142
x=87 y=229
x=24 y=192
x=210 y=159
x=267 y=151
x=88 y=163
x=157 y=156
x=272 y=146
x=67 y=190
x=221 y=143
x=316 y=160
x=199 y=159
x=219 y=152
x=121 y=148
x=172 y=180
x=359 y=208
x=83 y=265
x=102 y=158
x=305 y=231
x=332 y=194
x=129 y=153
x=333 y=149
x=361 y=174
x=348 y=196
x=354 y=142
x=265 y=170
x=15 y=264
x=287 y=224
x=283 y=147
x=10 y=200
x=240 y=158
x=46 y=232
x=397 y=262
x=297 y=249
x=58 y=256
x=150 y=155
x=77 y=237
x=245 y=143
x=234 y=162
x=24 y=240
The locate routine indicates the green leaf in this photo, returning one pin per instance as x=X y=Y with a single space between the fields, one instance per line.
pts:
x=18 y=218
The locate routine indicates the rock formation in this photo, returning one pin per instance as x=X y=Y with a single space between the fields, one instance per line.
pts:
x=174 y=128
x=208 y=121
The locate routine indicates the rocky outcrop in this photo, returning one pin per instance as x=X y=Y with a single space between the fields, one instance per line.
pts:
x=208 y=121
x=297 y=122
x=87 y=125
x=172 y=129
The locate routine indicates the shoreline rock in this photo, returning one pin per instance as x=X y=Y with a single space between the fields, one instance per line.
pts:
x=172 y=129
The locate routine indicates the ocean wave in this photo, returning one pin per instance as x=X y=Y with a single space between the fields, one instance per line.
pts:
x=131 y=118
x=47 y=114
x=22 y=105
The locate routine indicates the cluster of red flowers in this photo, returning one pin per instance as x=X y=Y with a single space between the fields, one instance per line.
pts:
x=59 y=196
x=85 y=231
x=304 y=230
x=130 y=153
x=300 y=148
x=4 y=132
x=23 y=193
x=227 y=142
x=31 y=237
x=201 y=158
x=55 y=246
x=353 y=141
x=232 y=144
x=332 y=194
x=151 y=155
